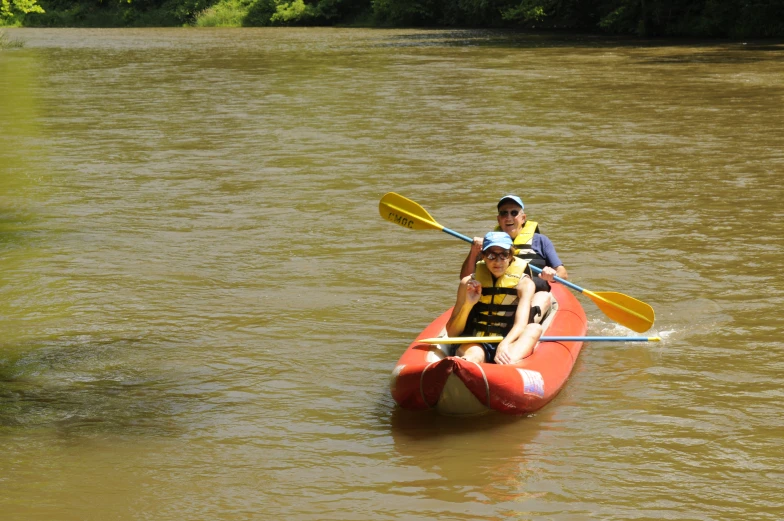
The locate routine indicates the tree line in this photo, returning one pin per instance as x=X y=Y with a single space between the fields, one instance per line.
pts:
x=643 y=18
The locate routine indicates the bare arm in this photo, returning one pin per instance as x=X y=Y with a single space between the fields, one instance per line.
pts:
x=468 y=293
x=469 y=264
x=549 y=273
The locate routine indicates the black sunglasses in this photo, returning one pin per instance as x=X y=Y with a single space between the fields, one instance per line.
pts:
x=503 y=255
x=513 y=213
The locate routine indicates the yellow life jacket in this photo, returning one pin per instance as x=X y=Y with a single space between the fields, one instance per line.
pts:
x=524 y=244
x=494 y=314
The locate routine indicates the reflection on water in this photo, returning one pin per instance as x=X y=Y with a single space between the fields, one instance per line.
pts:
x=201 y=307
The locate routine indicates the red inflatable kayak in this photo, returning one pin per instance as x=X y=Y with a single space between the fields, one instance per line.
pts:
x=425 y=377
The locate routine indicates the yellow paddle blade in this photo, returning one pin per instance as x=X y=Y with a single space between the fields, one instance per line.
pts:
x=462 y=340
x=406 y=213
x=627 y=311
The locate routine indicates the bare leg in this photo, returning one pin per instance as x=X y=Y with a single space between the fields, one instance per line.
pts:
x=541 y=299
x=471 y=352
x=524 y=346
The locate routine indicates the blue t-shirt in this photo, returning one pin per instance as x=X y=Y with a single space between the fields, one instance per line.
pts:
x=544 y=247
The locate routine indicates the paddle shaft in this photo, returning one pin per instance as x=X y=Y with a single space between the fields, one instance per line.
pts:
x=496 y=339
x=600 y=338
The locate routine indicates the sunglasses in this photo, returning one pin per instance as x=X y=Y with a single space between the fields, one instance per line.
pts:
x=513 y=213
x=493 y=255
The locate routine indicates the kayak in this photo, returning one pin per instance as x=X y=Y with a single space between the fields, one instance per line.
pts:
x=427 y=377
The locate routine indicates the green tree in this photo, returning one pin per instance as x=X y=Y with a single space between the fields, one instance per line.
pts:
x=12 y=11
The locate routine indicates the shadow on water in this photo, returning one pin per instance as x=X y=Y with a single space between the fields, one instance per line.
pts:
x=19 y=229
x=10 y=232
x=429 y=424
x=82 y=389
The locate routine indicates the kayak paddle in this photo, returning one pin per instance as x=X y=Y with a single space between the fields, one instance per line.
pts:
x=627 y=311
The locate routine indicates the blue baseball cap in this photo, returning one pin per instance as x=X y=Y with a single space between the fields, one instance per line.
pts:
x=501 y=239
x=512 y=198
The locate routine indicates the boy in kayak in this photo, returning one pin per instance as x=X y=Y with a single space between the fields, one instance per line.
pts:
x=530 y=245
x=496 y=300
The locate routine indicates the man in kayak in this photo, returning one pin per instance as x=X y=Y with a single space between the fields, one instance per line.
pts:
x=496 y=300
x=530 y=245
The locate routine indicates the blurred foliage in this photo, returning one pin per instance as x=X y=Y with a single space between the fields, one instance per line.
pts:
x=644 y=18
x=12 y=12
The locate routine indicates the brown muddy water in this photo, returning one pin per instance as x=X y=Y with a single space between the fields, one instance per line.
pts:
x=200 y=306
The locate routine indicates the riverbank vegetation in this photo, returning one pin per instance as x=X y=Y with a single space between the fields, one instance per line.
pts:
x=644 y=18
x=7 y=43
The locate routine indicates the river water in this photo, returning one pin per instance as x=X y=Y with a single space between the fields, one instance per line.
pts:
x=200 y=305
